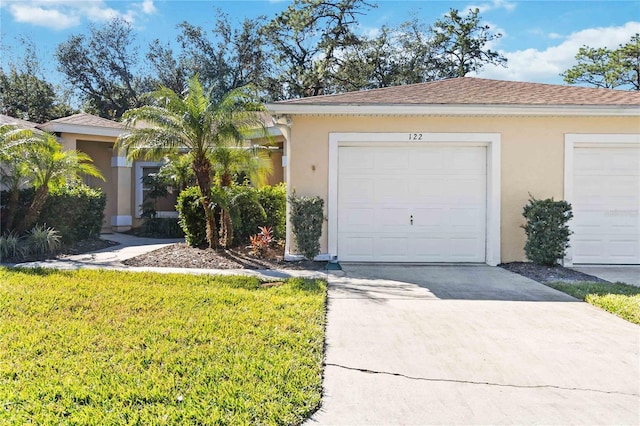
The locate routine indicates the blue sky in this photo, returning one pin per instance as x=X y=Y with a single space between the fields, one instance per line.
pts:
x=540 y=38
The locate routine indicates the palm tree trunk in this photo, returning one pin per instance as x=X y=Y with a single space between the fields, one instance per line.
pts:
x=227 y=228
x=33 y=212
x=226 y=223
x=202 y=169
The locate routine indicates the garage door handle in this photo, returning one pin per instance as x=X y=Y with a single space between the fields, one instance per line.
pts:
x=411 y=219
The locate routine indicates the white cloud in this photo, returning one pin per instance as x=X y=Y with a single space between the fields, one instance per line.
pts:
x=63 y=14
x=545 y=66
x=148 y=7
x=43 y=17
x=492 y=5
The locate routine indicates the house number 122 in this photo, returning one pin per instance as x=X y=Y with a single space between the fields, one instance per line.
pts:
x=415 y=136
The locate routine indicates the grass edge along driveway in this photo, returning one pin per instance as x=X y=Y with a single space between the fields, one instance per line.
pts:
x=110 y=347
x=622 y=300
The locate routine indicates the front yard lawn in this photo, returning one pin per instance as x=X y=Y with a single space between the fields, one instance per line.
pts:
x=620 y=299
x=106 y=347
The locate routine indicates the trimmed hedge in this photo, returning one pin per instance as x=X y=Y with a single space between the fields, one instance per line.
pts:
x=252 y=208
x=191 y=217
x=76 y=213
x=547 y=230
x=274 y=201
x=307 y=216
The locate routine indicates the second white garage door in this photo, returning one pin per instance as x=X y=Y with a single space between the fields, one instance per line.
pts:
x=412 y=203
x=606 y=200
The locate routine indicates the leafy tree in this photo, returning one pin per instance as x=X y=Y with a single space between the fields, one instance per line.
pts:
x=227 y=59
x=51 y=167
x=25 y=94
x=606 y=68
x=307 y=40
x=170 y=71
x=196 y=122
x=101 y=67
x=460 y=44
x=629 y=56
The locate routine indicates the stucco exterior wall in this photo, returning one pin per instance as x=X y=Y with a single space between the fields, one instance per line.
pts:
x=100 y=153
x=532 y=155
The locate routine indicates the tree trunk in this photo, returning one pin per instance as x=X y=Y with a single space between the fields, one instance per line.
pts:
x=202 y=169
x=226 y=223
x=227 y=228
x=33 y=212
x=12 y=207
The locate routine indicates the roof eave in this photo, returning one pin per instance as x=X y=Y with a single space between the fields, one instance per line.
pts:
x=458 y=109
x=82 y=129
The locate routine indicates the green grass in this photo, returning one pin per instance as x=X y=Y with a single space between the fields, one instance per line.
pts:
x=620 y=299
x=105 y=347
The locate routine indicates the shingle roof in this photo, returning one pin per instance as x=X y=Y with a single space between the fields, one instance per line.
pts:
x=22 y=124
x=477 y=91
x=84 y=119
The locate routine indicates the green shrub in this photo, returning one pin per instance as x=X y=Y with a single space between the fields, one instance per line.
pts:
x=274 y=202
x=76 y=213
x=547 y=230
x=191 y=217
x=24 y=199
x=160 y=227
x=307 y=217
x=247 y=213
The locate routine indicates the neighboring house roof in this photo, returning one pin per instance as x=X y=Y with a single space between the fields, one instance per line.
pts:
x=22 y=124
x=86 y=124
x=469 y=95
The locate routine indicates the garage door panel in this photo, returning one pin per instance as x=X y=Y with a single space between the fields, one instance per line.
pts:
x=391 y=190
x=606 y=222
x=352 y=160
x=391 y=216
x=427 y=162
x=390 y=246
x=358 y=245
x=443 y=188
x=392 y=160
x=358 y=190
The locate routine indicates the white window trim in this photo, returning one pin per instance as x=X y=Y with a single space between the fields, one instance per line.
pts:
x=490 y=140
x=139 y=165
x=581 y=140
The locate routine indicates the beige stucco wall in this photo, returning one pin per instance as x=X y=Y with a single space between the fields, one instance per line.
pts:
x=100 y=153
x=117 y=186
x=532 y=155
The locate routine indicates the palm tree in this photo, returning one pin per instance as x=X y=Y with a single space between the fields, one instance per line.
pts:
x=197 y=123
x=12 y=138
x=15 y=172
x=50 y=167
x=228 y=162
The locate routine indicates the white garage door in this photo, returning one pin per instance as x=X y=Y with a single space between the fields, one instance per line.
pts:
x=606 y=198
x=412 y=203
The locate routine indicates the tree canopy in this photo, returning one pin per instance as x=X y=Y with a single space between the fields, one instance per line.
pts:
x=607 y=68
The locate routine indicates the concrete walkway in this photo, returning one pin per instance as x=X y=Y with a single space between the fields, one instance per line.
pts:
x=623 y=274
x=472 y=345
x=130 y=246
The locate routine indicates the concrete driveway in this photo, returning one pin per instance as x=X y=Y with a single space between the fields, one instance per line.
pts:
x=472 y=345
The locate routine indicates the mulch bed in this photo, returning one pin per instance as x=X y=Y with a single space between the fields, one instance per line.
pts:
x=546 y=274
x=180 y=255
x=85 y=246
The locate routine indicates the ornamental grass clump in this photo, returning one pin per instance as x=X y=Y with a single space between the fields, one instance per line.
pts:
x=547 y=230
